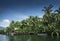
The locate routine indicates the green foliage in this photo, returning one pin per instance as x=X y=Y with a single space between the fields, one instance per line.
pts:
x=49 y=23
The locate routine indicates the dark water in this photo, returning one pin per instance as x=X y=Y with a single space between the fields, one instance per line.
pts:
x=28 y=38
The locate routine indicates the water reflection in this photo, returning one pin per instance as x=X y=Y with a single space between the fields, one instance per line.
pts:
x=33 y=38
x=27 y=38
x=4 y=38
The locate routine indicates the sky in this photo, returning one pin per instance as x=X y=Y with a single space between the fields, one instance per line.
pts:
x=19 y=10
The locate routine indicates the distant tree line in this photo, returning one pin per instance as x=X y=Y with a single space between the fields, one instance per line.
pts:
x=50 y=22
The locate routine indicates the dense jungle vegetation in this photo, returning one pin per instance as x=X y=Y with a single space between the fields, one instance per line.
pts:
x=50 y=22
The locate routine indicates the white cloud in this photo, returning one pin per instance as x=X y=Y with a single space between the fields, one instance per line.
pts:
x=5 y=23
x=21 y=17
x=40 y=16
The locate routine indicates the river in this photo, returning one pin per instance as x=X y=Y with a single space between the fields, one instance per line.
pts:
x=28 y=38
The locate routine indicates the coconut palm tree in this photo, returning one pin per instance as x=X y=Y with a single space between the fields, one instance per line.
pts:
x=12 y=25
x=58 y=18
x=48 y=10
x=48 y=16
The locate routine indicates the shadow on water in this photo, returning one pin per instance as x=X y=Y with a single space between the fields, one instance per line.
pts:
x=28 y=38
x=33 y=38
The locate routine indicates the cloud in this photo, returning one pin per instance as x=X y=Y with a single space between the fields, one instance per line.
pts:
x=5 y=23
x=21 y=17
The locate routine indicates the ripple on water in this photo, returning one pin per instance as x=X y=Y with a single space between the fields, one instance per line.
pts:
x=4 y=38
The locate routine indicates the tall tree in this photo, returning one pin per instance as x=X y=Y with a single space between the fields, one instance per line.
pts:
x=48 y=10
x=48 y=16
x=58 y=18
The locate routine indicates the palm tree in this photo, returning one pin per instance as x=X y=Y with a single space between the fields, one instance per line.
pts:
x=48 y=10
x=12 y=25
x=58 y=18
x=47 y=17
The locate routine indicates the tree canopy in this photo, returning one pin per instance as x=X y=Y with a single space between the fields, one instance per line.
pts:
x=50 y=22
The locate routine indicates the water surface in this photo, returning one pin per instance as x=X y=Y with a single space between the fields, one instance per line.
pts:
x=28 y=38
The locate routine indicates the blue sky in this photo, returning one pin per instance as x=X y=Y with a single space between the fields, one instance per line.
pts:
x=18 y=10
